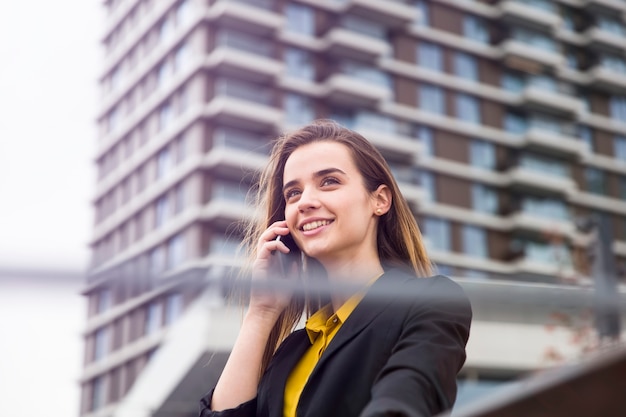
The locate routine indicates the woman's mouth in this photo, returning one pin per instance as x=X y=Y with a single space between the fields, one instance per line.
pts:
x=315 y=224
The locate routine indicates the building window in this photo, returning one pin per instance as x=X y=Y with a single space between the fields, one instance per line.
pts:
x=175 y=251
x=586 y=136
x=545 y=165
x=427 y=181
x=98 y=393
x=154 y=317
x=617 y=106
x=105 y=300
x=300 y=19
x=183 y=13
x=431 y=99
x=475 y=241
x=181 y=58
x=534 y=38
x=465 y=66
x=595 y=181
x=429 y=56
x=484 y=199
x=161 y=211
x=423 y=18
x=621 y=191
x=180 y=147
x=101 y=343
x=157 y=261
x=165 y=116
x=619 y=147
x=364 y=26
x=438 y=233
x=475 y=28
x=300 y=64
x=515 y=123
x=163 y=163
x=513 y=82
x=179 y=198
x=425 y=135
x=173 y=307
x=610 y=24
x=298 y=109
x=482 y=154
x=548 y=208
x=613 y=63
x=366 y=73
x=467 y=108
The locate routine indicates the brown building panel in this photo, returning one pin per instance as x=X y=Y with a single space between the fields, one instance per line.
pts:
x=446 y=18
x=492 y=113
x=404 y=48
x=453 y=191
x=603 y=143
x=498 y=243
x=451 y=146
x=406 y=91
x=489 y=72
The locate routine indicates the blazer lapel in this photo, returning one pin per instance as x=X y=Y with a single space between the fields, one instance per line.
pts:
x=290 y=354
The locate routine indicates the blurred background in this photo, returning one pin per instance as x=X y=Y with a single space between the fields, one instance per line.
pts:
x=132 y=131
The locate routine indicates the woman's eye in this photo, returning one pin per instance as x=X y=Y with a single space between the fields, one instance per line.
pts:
x=330 y=181
x=291 y=194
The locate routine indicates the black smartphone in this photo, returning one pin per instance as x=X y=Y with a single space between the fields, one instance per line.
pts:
x=285 y=261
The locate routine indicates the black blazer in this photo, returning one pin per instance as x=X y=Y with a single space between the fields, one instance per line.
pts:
x=394 y=356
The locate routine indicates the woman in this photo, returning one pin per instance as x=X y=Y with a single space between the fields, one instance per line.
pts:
x=361 y=354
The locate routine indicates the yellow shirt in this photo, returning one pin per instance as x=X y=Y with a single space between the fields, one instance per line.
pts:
x=321 y=327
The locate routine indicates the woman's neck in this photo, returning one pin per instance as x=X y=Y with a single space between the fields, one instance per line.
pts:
x=347 y=274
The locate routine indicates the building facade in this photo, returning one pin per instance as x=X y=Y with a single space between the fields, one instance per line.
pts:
x=503 y=121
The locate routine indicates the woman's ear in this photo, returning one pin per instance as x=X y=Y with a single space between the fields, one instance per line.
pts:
x=382 y=200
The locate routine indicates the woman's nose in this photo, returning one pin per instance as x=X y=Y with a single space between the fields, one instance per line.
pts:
x=308 y=200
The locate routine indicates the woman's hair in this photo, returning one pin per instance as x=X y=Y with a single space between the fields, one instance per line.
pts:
x=399 y=240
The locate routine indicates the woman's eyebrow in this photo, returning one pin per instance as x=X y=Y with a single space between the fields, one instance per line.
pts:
x=317 y=174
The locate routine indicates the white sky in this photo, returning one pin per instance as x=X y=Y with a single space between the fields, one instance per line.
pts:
x=50 y=57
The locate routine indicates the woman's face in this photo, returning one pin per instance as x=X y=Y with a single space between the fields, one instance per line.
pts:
x=330 y=213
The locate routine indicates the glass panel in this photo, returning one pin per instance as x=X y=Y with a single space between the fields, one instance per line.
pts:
x=364 y=27
x=467 y=108
x=596 y=181
x=244 y=42
x=431 y=99
x=298 y=109
x=545 y=207
x=534 y=38
x=429 y=56
x=300 y=64
x=173 y=308
x=438 y=233
x=154 y=317
x=299 y=19
x=618 y=107
x=545 y=165
x=475 y=28
x=465 y=66
x=619 y=147
x=482 y=154
x=175 y=251
x=244 y=90
x=484 y=199
x=475 y=241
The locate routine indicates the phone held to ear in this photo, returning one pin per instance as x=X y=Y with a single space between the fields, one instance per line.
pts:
x=285 y=261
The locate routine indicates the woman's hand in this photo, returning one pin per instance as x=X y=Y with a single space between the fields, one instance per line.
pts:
x=269 y=302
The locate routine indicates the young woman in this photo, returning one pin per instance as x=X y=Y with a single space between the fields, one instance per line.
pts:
x=360 y=354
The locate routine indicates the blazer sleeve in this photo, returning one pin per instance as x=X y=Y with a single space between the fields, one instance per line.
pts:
x=419 y=378
x=246 y=409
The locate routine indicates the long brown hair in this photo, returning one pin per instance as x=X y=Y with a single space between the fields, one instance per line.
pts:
x=399 y=240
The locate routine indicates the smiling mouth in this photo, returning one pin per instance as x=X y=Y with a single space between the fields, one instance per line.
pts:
x=316 y=224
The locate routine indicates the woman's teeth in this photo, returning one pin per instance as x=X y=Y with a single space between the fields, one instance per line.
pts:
x=315 y=225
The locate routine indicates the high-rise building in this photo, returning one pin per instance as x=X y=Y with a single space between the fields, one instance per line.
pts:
x=503 y=121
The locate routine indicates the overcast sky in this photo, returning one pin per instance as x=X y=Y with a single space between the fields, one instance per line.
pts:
x=50 y=57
